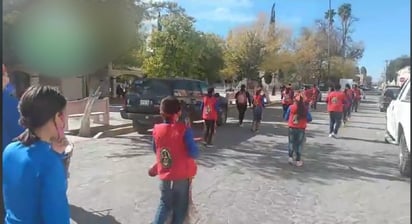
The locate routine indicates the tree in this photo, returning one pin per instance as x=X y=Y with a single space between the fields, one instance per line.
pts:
x=347 y=20
x=245 y=50
x=173 y=49
x=363 y=70
x=211 y=60
x=395 y=65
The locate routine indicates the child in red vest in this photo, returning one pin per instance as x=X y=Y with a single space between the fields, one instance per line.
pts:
x=258 y=103
x=176 y=151
x=287 y=98
x=209 y=107
x=297 y=116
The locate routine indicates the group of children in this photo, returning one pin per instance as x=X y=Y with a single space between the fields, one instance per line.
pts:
x=176 y=150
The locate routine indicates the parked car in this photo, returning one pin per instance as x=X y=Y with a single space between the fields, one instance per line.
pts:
x=390 y=93
x=142 y=103
x=398 y=129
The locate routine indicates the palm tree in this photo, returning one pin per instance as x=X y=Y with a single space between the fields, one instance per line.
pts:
x=347 y=19
x=329 y=16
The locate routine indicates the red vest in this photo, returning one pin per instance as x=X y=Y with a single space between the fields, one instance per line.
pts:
x=209 y=108
x=287 y=97
x=308 y=95
x=293 y=121
x=172 y=158
x=257 y=100
x=335 y=101
x=357 y=93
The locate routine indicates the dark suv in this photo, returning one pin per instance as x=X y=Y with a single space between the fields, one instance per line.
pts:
x=142 y=102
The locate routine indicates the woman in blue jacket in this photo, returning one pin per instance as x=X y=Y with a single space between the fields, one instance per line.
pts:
x=34 y=177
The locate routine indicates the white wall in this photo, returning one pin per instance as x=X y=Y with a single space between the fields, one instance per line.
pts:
x=72 y=88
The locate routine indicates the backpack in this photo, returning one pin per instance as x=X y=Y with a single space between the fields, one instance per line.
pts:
x=241 y=98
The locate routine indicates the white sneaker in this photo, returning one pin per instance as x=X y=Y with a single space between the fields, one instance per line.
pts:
x=240 y=125
x=335 y=136
x=299 y=163
x=290 y=160
x=330 y=135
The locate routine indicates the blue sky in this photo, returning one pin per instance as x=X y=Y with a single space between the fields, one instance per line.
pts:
x=384 y=25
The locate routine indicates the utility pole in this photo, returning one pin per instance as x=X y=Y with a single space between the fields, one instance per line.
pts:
x=329 y=31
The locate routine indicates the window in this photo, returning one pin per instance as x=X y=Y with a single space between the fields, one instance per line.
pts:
x=182 y=87
x=203 y=87
x=152 y=87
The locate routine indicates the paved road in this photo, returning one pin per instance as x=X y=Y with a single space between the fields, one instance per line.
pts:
x=246 y=178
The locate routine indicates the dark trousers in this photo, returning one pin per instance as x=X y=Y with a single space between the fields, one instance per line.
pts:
x=314 y=104
x=242 y=110
x=209 y=131
x=296 y=139
x=355 y=105
x=174 y=199
x=285 y=109
x=347 y=112
x=335 y=121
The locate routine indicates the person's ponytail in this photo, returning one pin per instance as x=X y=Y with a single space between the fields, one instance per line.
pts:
x=27 y=137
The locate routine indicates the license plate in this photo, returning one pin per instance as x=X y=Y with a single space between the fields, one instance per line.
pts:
x=144 y=102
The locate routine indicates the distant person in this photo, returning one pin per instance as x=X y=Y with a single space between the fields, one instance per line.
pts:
x=34 y=176
x=242 y=100
x=307 y=96
x=175 y=165
x=315 y=96
x=258 y=102
x=335 y=103
x=11 y=128
x=119 y=91
x=210 y=108
x=297 y=117
x=357 y=98
x=287 y=98
x=348 y=104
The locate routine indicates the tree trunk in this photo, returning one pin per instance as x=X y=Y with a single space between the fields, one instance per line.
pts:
x=85 y=130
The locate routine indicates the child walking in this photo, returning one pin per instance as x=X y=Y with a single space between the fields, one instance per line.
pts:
x=210 y=107
x=175 y=165
x=258 y=105
x=297 y=117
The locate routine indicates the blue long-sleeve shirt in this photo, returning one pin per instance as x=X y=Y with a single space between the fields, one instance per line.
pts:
x=190 y=143
x=10 y=128
x=308 y=116
x=34 y=185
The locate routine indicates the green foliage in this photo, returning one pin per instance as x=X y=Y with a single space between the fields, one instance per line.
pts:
x=395 y=65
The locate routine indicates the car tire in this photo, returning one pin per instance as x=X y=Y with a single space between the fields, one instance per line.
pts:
x=404 y=157
x=222 y=118
x=141 y=129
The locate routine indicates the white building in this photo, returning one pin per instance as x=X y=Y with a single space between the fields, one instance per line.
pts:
x=403 y=75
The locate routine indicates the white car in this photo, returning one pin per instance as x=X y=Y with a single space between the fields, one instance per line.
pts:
x=398 y=129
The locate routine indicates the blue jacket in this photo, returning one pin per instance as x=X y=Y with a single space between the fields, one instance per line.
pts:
x=11 y=128
x=34 y=185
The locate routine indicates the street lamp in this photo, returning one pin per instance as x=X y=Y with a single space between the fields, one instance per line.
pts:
x=329 y=31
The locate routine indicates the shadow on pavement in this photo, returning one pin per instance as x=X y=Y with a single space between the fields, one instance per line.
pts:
x=136 y=146
x=82 y=216
x=324 y=162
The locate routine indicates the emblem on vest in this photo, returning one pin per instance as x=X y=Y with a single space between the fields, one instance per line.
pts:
x=165 y=158
x=208 y=110
x=295 y=119
x=334 y=100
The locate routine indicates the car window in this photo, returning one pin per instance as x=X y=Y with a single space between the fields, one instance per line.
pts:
x=197 y=90
x=182 y=87
x=203 y=87
x=153 y=87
